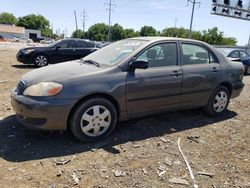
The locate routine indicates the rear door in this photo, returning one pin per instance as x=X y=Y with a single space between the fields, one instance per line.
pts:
x=201 y=74
x=157 y=88
x=64 y=51
x=84 y=48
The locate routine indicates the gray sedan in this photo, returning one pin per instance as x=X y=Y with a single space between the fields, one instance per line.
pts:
x=128 y=79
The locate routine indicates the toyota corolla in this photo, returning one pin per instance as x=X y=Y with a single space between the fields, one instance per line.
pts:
x=128 y=79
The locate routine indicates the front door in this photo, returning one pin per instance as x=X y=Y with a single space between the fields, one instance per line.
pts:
x=65 y=52
x=157 y=88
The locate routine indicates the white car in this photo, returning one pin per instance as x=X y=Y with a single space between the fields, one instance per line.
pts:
x=47 y=41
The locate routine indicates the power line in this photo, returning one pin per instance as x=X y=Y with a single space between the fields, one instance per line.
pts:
x=110 y=8
x=192 y=16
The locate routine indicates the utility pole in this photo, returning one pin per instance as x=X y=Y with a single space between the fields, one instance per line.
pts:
x=175 y=22
x=84 y=16
x=192 y=16
x=75 y=19
x=110 y=5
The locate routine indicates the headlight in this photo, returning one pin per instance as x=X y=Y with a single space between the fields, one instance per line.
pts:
x=28 y=51
x=43 y=89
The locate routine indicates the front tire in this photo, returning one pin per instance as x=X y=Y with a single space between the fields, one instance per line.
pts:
x=218 y=101
x=93 y=120
x=40 y=60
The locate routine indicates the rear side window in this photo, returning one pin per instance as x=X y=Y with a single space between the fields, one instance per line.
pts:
x=243 y=54
x=195 y=54
x=85 y=44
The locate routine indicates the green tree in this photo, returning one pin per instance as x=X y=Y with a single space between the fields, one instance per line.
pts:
x=230 y=41
x=7 y=18
x=117 y=32
x=33 y=21
x=98 y=32
x=212 y=36
x=78 y=34
x=148 y=31
x=129 y=33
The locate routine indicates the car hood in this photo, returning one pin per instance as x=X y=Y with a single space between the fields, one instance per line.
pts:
x=35 y=48
x=60 y=72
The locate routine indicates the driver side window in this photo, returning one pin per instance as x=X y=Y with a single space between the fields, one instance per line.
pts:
x=160 y=55
x=234 y=54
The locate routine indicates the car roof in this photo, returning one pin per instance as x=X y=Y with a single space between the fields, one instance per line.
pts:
x=155 y=39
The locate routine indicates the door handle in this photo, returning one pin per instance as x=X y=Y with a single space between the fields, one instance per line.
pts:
x=214 y=69
x=176 y=73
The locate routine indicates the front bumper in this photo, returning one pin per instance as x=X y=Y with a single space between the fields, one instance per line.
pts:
x=24 y=58
x=237 y=88
x=42 y=113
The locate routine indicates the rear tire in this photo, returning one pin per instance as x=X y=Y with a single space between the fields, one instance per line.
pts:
x=218 y=101
x=93 y=120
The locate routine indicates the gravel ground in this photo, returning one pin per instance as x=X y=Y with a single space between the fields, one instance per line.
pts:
x=140 y=153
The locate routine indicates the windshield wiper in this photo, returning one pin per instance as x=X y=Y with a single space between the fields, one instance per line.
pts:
x=91 y=62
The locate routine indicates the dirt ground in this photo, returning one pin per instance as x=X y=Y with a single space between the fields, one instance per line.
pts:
x=140 y=153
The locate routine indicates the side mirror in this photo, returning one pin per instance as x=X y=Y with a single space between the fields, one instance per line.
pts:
x=58 y=47
x=138 y=64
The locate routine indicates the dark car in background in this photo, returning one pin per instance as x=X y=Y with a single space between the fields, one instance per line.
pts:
x=59 y=51
x=127 y=79
x=238 y=55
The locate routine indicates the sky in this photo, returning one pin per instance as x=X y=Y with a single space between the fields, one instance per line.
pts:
x=130 y=14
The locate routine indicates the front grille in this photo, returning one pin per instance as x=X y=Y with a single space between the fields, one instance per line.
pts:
x=21 y=86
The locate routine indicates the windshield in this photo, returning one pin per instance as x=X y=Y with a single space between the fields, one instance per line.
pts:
x=114 y=53
x=225 y=52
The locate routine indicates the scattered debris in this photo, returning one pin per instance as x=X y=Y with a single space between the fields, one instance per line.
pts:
x=144 y=170
x=206 y=174
x=62 y=162
x=119 y=173
x=168 y=162
x=3 y=81
x=136 y=146
x=164 y=140
x=59 y=173
x=162 y=167
x=193 y=138
x=160 y=174
x=99 y=145
x=75 y=178
x=177 y=180
x=187 y=164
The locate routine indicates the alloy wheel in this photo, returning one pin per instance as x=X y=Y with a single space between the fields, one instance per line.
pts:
x=95 y=120
x=41 y=61
x=220 y=101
